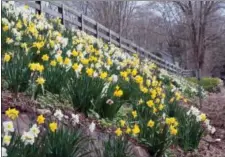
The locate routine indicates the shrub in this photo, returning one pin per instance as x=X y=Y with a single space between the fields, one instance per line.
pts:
x=208 y=83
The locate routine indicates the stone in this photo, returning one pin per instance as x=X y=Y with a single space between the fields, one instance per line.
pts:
x=44 y=112
x=140 y=152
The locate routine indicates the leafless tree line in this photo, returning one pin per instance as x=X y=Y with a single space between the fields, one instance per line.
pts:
x=193 y=32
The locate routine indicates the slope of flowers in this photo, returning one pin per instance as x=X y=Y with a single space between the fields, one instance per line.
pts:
x=41 y=55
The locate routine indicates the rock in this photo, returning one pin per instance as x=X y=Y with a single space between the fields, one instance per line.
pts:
x=44 y=112
x=140 y=152
x=21 y=123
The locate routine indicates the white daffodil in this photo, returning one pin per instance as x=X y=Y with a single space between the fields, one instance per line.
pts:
x=35 y=130
x=58 y=114
x=27 y=138
x=6 y=140
x=114 y=78
x=75 y=118
x=79 y=47
x=4 y=152
x=8 y=126
x=92 y=127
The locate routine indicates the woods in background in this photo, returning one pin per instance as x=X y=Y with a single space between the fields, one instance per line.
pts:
x=192 y=32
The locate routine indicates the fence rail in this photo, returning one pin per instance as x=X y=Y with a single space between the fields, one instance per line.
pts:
x=72 y=18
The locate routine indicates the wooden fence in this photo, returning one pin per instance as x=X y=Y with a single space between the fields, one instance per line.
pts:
x=73 y=19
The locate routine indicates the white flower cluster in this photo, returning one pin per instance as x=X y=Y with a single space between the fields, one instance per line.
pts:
x=201 y=117
x=29 y=136
x=7 y=128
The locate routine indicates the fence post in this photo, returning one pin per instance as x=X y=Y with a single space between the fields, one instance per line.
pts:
x=97 y=30
x=82 y=22
x=41 y=7
x=109 y=36
x=120 y=41
x=63 y=14
x=40 y=3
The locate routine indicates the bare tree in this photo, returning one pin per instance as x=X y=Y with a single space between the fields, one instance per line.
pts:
x=198 y=15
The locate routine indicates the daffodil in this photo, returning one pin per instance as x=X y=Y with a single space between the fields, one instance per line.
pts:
x=118 y=132
x=134 y=113
x=75 y=53
x=6 y=140
x=103 y=75
x=53 y=126
x=12 y=113
x=5 y=28
x=128 y=130
x=7 y=57
x=118 y=93
x=136 y=129
x=89 y=72
x=203 y=117
x=151 y=123
x=40 y=80
x=8 y=126
x=45 y=57
x=40 y=119
x=122 y=123
x=53 y=63
x=150 y=103
x=173 y=130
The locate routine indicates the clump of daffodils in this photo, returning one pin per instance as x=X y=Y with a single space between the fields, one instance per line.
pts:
x=201 y=117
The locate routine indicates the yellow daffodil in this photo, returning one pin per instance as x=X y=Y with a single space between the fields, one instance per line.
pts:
x=75 y=53
x=161 y=107
x=5 y=28
x=203 y=117
x=136 y=129
x=38 y=45
x=122 y=123
x=67 y=61
x=75 y=66
x=40 y=80
x=134 y=72
x=173 y=130
x=124 y=74
x=150 y=103
x=7 y=57
x=12 y=113
x=151 y=123
x=118 y=93
x=40 y=68
x=128 y=130
x=19 y=24
x=118 y=132
x=53 y=63
x=139 y=79
x=134 y=113
x=89 y=72
x=84 y=61
x=59 y=59
x=45 y=57
x=103 y=75
x=40 y=119
x=53 y=126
